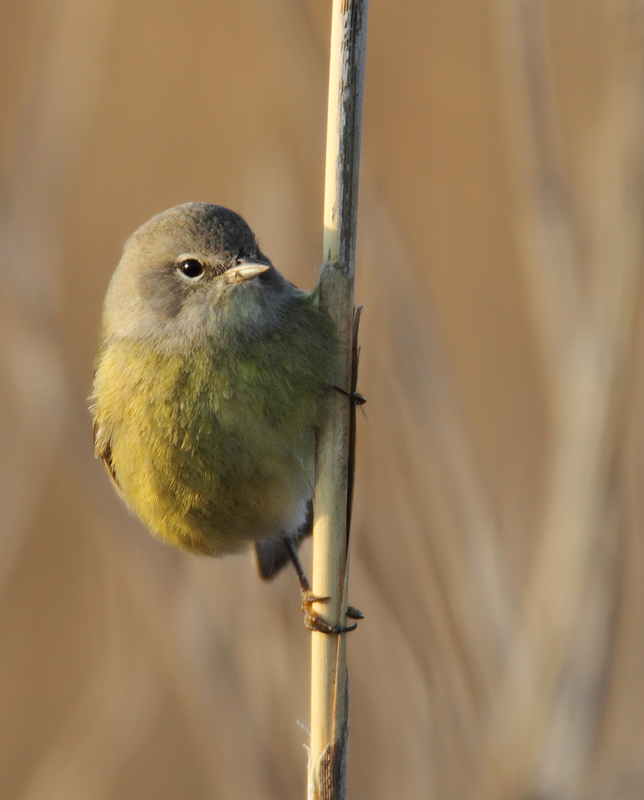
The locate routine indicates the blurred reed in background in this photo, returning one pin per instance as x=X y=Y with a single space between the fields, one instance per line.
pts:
x=497 y=538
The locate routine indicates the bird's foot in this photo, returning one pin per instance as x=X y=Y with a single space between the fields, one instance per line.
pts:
x=356 y=397
x=315 y=622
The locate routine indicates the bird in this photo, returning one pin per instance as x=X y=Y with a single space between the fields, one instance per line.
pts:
x=210 y=383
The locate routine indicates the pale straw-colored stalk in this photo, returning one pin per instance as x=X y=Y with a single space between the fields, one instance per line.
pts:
x=329 y=691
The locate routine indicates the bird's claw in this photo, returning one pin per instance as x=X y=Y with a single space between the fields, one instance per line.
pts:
x=356 y=397
x=315 y=622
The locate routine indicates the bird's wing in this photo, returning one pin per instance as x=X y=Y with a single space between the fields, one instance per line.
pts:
x=103 y=450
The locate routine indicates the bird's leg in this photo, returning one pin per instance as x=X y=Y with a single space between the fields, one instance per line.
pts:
x=312 y=620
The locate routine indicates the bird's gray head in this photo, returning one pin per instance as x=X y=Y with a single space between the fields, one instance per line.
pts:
x=191 y=272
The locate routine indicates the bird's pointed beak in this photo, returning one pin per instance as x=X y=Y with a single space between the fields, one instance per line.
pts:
x=247 y=270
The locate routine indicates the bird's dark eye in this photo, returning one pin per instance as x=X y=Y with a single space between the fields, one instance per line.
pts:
x=191 y=268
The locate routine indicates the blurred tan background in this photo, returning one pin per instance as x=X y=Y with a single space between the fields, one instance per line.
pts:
x=498 y=545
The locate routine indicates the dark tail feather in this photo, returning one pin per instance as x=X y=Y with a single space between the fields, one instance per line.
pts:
x=273 y=554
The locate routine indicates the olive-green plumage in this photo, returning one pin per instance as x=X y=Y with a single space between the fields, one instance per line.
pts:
x=210 y=382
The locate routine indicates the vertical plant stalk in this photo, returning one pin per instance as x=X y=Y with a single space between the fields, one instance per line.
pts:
x=335 y=445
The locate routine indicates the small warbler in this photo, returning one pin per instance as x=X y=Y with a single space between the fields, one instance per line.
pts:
x=210 y=382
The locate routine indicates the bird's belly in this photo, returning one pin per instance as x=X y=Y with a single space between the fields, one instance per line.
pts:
x=217 y=495
x=261 y=501
x=213 y=453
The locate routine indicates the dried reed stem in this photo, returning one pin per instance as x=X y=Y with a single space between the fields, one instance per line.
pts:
x=329 y=690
